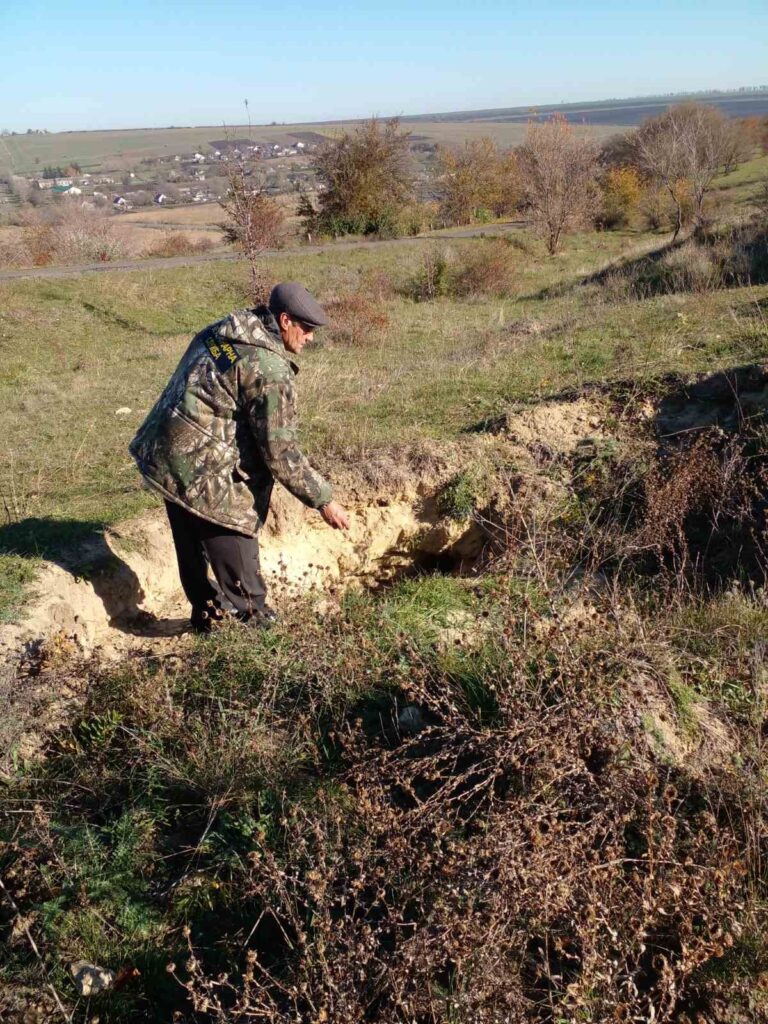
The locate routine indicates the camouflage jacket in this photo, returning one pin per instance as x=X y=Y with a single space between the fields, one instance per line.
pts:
x=225 y=427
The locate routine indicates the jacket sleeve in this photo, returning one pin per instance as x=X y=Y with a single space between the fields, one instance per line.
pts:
x=272 y=417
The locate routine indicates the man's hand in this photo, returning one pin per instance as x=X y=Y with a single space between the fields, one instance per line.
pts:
x=335 y=516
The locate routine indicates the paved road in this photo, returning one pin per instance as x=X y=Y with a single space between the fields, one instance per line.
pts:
x=166 y=263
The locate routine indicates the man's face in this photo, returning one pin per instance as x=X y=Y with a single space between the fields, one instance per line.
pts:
x=294 y=333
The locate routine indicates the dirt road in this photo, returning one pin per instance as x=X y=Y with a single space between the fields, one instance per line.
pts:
x=169 y=262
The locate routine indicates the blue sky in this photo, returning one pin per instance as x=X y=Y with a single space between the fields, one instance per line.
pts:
x=107 y=64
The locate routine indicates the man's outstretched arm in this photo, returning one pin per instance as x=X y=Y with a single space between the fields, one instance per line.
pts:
x=273 y=420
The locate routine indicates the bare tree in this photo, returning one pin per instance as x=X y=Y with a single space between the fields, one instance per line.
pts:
x=558 y=172
x=684 y=150
x=367 y=179
x=254 y=222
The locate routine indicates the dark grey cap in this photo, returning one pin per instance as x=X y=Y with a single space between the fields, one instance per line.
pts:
x=293 y=298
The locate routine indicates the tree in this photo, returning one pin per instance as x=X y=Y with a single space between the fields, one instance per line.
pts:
x=687 y=147
x=477 y=180
x=254 y=223
x=366 y=180
x=558 y=173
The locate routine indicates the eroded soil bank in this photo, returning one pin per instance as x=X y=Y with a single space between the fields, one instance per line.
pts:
x=537 y=474
x=123 y=590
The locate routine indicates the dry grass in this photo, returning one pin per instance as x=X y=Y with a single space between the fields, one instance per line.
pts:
x=184 y=216
x=179 y=244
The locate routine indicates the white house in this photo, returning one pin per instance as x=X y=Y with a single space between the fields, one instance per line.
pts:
x=120 y=202
x=161 y=198
x=199 y=158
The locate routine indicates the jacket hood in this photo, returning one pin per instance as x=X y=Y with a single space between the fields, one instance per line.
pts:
x=252 y=327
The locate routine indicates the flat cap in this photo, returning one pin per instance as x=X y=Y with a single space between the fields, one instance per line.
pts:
x=293 y=298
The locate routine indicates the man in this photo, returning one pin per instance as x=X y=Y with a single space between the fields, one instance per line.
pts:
x=220 y=434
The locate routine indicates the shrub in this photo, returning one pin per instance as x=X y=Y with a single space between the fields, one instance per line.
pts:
x=622 y=190
x=464 y=493
x=178 y=244
x=13 y=253
x=689 y=268
x=432 y=279
x=87 y=236
x=378 y=284
x=483 y=269
x=487 y=270
x=368 y=181
x=704 y=263
x=417 y=217
x=355 y=319
x=72 y=234
x=255 y=222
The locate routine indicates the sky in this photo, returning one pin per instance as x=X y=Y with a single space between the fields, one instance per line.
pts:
x=93 y=64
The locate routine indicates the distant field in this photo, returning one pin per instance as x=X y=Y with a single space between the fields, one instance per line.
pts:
x=186 y=216
x=608 y=113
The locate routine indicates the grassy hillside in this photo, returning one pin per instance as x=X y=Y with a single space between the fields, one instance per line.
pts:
x=110 y=342
x=528 y=788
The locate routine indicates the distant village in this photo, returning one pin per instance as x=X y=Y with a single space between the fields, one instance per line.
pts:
x=180 y=179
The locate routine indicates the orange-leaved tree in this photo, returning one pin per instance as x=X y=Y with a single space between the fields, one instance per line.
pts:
x=477 y=181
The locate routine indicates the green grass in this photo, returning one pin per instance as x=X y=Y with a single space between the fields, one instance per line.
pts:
x=75 y=351
x=740 y=184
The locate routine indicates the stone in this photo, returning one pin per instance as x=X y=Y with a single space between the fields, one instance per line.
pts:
x=91 y=979
x=410 y=720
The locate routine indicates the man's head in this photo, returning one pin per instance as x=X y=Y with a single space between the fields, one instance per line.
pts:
x=297 y=314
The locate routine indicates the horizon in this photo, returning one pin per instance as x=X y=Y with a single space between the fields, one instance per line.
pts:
x=745 y=91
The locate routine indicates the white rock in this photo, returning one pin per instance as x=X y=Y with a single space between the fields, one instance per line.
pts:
x=122 y=411
x=90 y=978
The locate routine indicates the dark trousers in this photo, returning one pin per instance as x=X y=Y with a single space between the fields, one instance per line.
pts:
x=234 y=561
